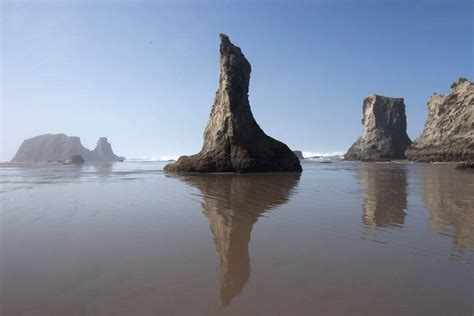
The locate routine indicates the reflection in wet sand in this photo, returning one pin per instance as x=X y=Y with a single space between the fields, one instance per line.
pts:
x=104 y=169
x=384 y=193
x=232 y=204
x=448 y=195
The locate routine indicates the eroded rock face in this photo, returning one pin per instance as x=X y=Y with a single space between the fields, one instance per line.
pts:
x=59 y=147
x=448 y=134
x=233 y=141
x=385 y=137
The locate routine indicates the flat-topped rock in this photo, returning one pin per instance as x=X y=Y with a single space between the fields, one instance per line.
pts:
x=385 y=137
x=448 y=134
x=233 y=141
x=52 y=147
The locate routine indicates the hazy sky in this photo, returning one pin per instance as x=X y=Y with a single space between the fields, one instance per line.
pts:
x=144 y=74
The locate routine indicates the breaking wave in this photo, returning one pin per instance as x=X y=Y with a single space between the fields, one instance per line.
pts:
x=316 y=155
x=153 y=158
x=310 y=155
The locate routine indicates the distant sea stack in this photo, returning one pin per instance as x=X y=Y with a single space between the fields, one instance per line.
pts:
x=448 y=134
x=103 y=152
x=233 y=141
x=385 y=137
x=55 y=147
x=298 y=154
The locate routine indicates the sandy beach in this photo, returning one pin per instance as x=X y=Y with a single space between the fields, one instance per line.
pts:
x=340 y=238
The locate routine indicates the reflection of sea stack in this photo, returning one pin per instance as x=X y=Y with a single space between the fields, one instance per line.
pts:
x=448 y=134
x=233 y=141
x=384 y=195
x=448 y=197
x=385 y=135
x=232 y=204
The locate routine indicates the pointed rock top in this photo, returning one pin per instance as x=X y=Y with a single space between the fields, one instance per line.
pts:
x=226 y=44
x=102 y=140
x=224 y=37
x=233 y=141
x=227 y=48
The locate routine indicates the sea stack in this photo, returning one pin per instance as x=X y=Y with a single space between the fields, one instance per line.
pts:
x=448 y=134
x=299 y=154
x=59 y=147
x=233 y=141
x=385 y=137
x=103 y=151
x=52 y=147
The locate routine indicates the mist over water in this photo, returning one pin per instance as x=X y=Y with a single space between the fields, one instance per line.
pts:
x=340 y=238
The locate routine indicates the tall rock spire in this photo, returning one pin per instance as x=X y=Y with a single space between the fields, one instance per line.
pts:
x=233 y=141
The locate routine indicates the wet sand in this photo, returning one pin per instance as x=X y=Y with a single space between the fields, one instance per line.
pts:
x=339 y=239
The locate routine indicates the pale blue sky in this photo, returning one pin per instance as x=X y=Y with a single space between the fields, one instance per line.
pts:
x=144 y=74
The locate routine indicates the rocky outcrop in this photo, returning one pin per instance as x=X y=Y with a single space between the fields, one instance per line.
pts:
x=74 y=160
x=298 y=154
x=448 y=134
x=385 y=137
x=233 y=141
x=59 y=147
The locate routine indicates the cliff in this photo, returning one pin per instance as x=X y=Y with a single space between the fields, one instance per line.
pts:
x=448 y=134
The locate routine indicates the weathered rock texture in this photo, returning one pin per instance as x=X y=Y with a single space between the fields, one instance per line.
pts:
x=448 y=134
x=233 y=141
x=385 y=135
x=56 y=147
x=232 y=204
